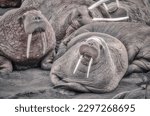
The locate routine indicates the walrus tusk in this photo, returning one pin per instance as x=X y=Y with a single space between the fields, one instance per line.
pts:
x=118 y=4
x=111 y=19
x=97 y=4
x=105 y=6
x=44 y=43
x=28 y=44
x=89 y=67
x=77 y=64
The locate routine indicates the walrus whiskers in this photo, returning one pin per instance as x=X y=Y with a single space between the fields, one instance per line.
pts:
x=28 y=45
x=77 y=64
x=44 y=43
x=97 y=4
x=89 y=67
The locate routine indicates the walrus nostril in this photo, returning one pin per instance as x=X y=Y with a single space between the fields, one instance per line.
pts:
x=91 y=44
x=37 y=18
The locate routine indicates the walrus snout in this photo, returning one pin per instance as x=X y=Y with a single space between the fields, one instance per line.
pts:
x=88 y=51
x=34 y=22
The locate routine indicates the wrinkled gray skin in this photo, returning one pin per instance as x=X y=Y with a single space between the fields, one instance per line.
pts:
x=135 y=37
x=15 y=26
x=109 y=64
x=64 y=15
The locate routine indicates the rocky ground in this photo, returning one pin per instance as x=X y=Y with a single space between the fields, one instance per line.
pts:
x=35 y=84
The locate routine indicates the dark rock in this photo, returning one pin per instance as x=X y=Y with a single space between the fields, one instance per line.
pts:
x=10 y=3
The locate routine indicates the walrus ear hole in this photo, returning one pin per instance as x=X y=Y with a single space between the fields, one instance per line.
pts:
x=101 y=47
x=21 y=19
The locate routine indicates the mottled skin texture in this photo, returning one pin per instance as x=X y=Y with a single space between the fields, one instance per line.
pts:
x=65 y=15
x=135 y=37
x=13 y=41
x=107 y=69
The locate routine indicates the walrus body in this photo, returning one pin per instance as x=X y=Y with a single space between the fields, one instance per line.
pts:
x=26 y=39
x=92 y=62
x=134 y=36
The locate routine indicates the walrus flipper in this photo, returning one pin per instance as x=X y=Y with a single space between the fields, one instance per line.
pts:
x=46 y=63
x=73 y=86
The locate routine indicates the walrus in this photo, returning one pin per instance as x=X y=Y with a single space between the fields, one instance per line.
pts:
x=64 y=15
x=92 y=62
x=134 y=36
x=124 y=10
x=27 y=40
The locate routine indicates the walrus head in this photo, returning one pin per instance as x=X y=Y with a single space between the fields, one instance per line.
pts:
x=89 y=52
x=34 y=22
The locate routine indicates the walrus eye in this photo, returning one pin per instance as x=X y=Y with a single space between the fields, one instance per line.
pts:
x=21 y=19
x=90 y=43
x=101 y=47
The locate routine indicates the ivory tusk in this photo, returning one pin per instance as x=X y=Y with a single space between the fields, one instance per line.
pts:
x=28 y=45
x=97 y=4
x=89 y=67
x=118 y=4
x=111 y=19
x=77 y=64
x=105 y=6
x=44 y=43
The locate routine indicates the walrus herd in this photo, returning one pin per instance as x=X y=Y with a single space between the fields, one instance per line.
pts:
x=87 y=45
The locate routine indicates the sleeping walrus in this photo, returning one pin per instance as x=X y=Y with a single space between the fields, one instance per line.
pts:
x=27 y=39
x=93 y=62
x=136 y=39
x=134 y=36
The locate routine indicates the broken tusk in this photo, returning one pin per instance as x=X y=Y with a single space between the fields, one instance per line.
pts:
x=77 y=64
x=89 y=67
x=28 y=45
x=97 y=4
x=44 y=43
x=111 y=19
